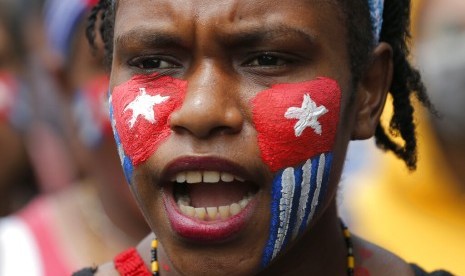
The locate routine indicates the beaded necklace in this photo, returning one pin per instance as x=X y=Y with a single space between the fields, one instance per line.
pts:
x=345 y=232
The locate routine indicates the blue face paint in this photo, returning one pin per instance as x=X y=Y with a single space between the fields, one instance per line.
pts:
x=126 y=162
x=296 y=196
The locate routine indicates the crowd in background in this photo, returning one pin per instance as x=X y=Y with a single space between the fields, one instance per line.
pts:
x=64 y=202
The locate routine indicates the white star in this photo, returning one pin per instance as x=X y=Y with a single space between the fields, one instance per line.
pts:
x=144 y=105
x=307 y=115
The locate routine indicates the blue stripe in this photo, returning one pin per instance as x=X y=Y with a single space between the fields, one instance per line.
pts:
x=126 y=162
x=274 y=224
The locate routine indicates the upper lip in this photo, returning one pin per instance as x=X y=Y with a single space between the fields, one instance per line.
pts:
x=203 y=163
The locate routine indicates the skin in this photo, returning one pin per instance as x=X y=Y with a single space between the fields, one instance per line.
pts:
x=223 y=75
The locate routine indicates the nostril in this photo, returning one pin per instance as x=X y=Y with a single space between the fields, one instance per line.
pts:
x=203 y=123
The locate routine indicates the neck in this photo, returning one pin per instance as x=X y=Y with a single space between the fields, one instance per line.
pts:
x=129 y=222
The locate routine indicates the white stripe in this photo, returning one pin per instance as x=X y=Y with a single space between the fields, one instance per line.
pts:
x=285 y=204
x=305 y=192
x=19 y=254
x=319 y=179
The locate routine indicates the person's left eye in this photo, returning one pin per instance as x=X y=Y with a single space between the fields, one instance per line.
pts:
x=266 y=60
x=153 y=63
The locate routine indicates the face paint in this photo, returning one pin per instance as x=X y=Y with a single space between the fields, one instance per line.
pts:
x=296 y=125
x=90 y=110
x=140 y=109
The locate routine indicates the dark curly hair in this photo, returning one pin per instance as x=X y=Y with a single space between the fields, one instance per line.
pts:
x=395 y=31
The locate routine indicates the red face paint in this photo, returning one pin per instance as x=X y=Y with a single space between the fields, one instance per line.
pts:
x=141 y=109
x=296 y=121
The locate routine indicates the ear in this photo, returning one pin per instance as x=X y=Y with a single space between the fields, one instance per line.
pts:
x=371 y=92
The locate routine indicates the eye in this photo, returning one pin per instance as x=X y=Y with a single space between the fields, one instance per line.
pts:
x=148 y=63
x=266 y=60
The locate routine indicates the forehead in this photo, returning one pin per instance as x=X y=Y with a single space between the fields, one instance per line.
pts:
x=190 y=16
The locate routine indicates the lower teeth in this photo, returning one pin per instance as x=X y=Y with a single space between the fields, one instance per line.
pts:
x=212 y=213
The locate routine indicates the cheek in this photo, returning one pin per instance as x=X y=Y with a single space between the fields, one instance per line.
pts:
x=295 y=122
x=296 y=125
x=140 y=111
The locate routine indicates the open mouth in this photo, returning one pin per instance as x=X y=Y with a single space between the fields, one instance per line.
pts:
x=210 y=202
x=211 y=195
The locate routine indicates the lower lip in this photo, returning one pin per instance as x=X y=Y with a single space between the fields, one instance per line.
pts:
x=206 y=231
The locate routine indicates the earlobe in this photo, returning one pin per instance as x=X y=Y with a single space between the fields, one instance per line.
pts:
x=372 y=91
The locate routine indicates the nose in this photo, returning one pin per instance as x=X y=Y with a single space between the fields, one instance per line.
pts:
x=211 y=106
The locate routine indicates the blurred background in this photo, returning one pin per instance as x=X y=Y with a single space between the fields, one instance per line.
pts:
x=64 y=203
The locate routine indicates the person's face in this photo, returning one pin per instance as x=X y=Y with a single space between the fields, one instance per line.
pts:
x=223 y=55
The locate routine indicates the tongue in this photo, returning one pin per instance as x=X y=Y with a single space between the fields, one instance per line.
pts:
x=217 y=194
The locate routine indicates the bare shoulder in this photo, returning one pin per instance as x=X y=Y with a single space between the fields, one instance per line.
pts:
x=107 y=269
x=374 y=260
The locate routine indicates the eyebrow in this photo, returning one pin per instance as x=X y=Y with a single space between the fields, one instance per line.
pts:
x=148 y=37
x=256 y=35
x=248 y=37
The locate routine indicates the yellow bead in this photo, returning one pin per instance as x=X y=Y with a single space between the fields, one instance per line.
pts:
x=154 y=266
x=154 y=244
x=346 y=233
x=350 y=262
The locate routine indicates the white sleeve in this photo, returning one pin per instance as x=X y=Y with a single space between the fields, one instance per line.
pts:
x=18 y=250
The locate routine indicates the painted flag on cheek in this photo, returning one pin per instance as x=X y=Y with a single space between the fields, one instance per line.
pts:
x=141 y=109
x=296 y=121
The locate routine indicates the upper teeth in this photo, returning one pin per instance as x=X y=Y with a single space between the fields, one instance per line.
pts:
x=205 y=177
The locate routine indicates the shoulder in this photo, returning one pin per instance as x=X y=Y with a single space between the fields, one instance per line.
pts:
x=373 y=260
x=107 y=269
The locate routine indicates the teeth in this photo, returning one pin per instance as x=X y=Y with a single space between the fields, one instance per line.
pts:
x=200 y=213
x=205 y=176
x=211 y=177
x=239 y=179
x=189 y=210
x=194 y=177
x=235 y=209
x=184 y=200
x=212 y=213
x=227 y=177
x=224 y=212
x=181 y=177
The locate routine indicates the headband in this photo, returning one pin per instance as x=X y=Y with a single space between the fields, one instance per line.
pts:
x=376 y=13
x=61 y=21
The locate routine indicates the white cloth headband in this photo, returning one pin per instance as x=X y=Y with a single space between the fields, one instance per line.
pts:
x=376 y=14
